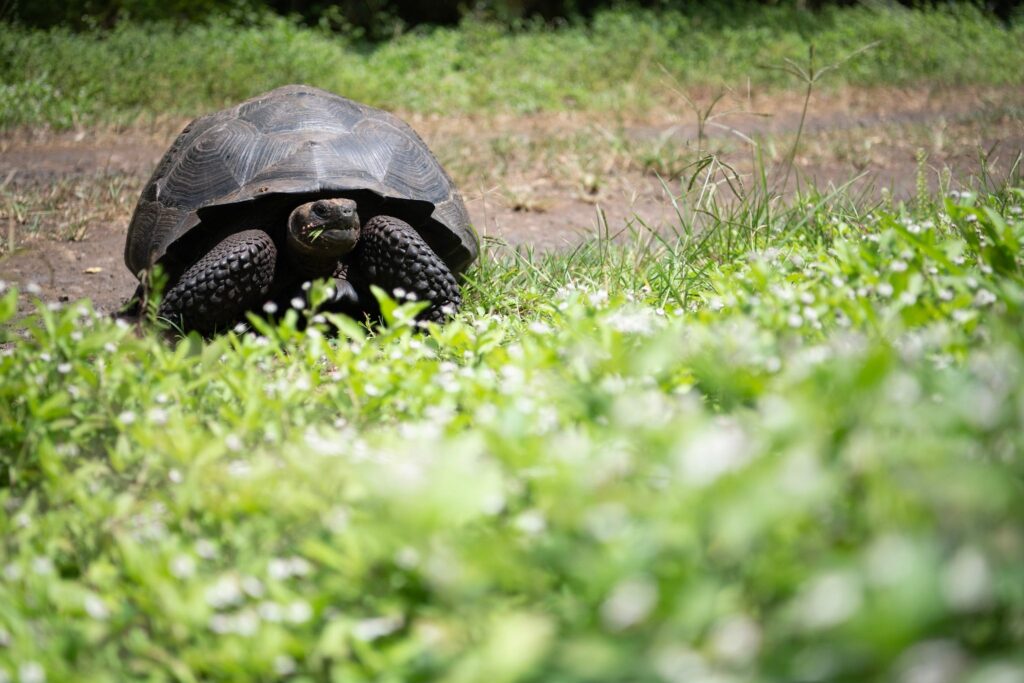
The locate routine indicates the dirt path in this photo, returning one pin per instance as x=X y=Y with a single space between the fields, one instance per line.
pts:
x=539 y=181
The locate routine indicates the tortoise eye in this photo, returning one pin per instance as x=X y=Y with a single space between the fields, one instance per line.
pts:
x=320 y=210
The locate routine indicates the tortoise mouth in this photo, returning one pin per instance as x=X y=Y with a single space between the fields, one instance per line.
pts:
x=337 y=239
x=325 y=227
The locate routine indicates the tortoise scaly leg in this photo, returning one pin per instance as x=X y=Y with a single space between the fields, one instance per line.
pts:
x=230 y=279
x=392 y=255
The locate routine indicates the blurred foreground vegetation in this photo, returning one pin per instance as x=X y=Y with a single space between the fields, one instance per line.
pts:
x=782 y=444
x=622 y=60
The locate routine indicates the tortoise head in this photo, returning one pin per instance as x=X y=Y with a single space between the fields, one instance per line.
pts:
x=324 y=228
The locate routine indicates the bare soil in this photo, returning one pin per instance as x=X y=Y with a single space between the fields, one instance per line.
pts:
x=540 y=182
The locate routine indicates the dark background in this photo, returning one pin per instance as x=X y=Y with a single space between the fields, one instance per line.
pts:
x=379 y=19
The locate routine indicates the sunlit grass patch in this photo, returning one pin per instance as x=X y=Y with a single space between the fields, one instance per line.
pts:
x=613 y=63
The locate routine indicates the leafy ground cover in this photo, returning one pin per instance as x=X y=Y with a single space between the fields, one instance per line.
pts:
x=781 y=444
x=625 y=60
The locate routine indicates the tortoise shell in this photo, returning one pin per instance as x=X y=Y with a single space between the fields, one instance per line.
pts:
x=268 y=154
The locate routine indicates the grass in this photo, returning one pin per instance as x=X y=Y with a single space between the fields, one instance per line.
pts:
x=780 y=444
x=618 y=62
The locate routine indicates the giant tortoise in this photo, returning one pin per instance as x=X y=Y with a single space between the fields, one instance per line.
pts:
x=252 y=202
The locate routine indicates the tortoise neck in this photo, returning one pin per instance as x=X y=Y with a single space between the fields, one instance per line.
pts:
x=309 y=266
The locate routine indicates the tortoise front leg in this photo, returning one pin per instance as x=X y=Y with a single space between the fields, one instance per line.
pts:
x=230 y=279
x=392 y=255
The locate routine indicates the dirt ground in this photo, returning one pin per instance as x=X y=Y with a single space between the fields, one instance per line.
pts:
x=529 y=181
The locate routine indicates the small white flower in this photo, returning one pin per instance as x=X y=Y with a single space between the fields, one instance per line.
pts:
x=807 y=298
x=226 y=591
x=239 y=468
x=284 y=665
x=297 y=303
x=157 y=416
x=598 y=298
x=284 y=568
x=33 y=288
x=407 y=558
x=252 y=586
x=45 y=357
x=971 y=218
x=531 y=522
x=270 y=308
x=42 y=566
x=794 y=320
x=206 y=549
x=967 y=581
x=629 y=603
x=399 y=293
x=337 y=520
x=306 y=286
x=946 y=294
x=737 y=639
x=127 y=417
x=270 y=612
x=240 y=328
x=183 y=566
x=246 y=623
x=233 y=443
x=299 y=566
x=898 y=266
x=221 y=623
x=984 y=298
x=885 y=290
x=378 y=627
x=279 y=569
x=31 y=672
x=95 y=608
x=298 y=612
x=828 y=600
x=64 y=368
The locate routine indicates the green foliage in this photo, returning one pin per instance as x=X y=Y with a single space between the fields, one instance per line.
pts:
x=782 y=445
x=62 y=78
x=95 y=13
